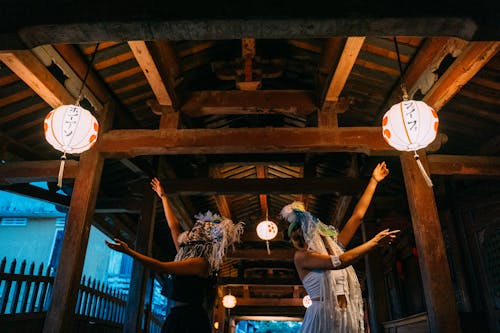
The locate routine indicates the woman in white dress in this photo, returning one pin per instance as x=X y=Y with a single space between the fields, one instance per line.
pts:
x=325 y=267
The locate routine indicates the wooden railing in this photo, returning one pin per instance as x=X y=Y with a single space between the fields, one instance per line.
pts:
x=25 y=298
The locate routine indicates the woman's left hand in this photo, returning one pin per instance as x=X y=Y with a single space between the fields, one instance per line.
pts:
x=380 y=172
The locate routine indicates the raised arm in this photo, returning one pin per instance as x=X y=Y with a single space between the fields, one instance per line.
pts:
x=352 y=225
x=192 y=266
x=307 y=260
x=173 y=223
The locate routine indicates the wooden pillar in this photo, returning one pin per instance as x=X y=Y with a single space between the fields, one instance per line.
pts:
x=140 y=274
x=439 y=296
x=60 y=316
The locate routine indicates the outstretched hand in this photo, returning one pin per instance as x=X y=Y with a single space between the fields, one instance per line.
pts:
x=385 y=237
x=156 y=186
x=119 y=246
x=380 y=172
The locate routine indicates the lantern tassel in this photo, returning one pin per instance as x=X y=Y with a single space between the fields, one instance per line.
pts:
x=61 y=170
x=268 y=250
x=422 y=170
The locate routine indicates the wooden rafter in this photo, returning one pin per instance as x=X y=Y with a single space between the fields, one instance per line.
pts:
x=148 y=66
x=348 y=58
x=37 y=77
x=468 y=63
x=464 y=165
x=30 y=171
x=261 y=174
x=221 y=200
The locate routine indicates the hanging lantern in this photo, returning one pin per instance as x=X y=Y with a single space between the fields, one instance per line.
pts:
x=409 y=126
x=306 y=301
x=70 y=129
x=267 y=230
x=229 y=301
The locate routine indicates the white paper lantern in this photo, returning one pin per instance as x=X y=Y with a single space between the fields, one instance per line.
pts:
x=306 y=301
x=267 y=230
x=229 y=301
x=409 y=126
x=70 y=129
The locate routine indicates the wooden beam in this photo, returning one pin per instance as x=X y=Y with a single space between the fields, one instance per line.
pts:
x=347 y=59
x=150 y=70
x=196 y=186
x=292 y=102
x=436 y=279
x=38 y=193
x=261 y=254
x=241 y=301
x=32 y=171
x=464 y=165
x=468 y=63
x=129 y=143
x=60 y=317
x=31 y=70
x=277 y=282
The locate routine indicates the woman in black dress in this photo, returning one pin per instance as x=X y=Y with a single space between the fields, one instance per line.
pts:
x=200 y=252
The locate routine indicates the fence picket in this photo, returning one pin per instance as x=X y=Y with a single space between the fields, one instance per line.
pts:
x=34 y=295
x=27 y=289
x=6 y=290
x=17 y=289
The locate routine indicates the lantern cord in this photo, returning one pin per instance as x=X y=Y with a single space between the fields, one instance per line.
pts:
x=268 y=250
x=422 y=170
x=61 y=170
x=402 y=81
x=86 y=75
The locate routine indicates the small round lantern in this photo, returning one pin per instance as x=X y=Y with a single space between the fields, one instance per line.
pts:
x=409 y=126
x=70 y=129
x=267 y=230
x=229 y=301
x=306 y=301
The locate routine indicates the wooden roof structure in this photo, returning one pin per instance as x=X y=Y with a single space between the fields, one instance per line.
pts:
x=242 y=109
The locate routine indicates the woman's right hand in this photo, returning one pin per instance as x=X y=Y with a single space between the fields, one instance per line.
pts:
x=384 y=237
x=156 y=186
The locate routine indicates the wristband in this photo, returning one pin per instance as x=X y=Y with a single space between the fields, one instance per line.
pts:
x=335 y=261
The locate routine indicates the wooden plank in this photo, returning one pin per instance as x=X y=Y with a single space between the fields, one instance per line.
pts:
x=468 y=63
x=37 y=77
x=262 y=174
x=436 y=279
x=293 y=102
x=31 y=171
x=221 y=200
x=347 y=59
x=464 y=165
x=79 y=218
x=129 y=143
x=148 y=66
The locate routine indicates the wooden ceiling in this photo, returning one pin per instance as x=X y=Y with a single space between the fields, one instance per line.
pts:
x=242 y=112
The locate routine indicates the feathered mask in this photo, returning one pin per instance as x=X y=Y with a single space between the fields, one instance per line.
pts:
x=210 y=237
x=296 y=214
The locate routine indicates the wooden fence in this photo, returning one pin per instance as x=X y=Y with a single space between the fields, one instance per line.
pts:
x=25 y=298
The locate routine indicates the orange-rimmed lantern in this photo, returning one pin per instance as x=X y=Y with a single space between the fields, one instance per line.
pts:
x=70 y=129
x=410 y=125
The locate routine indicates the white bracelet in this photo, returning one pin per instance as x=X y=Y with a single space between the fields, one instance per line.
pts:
x=335 y=261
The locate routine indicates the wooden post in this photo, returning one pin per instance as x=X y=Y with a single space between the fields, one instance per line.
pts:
x=439 y=296
x=79 y=219
x=140 y=274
